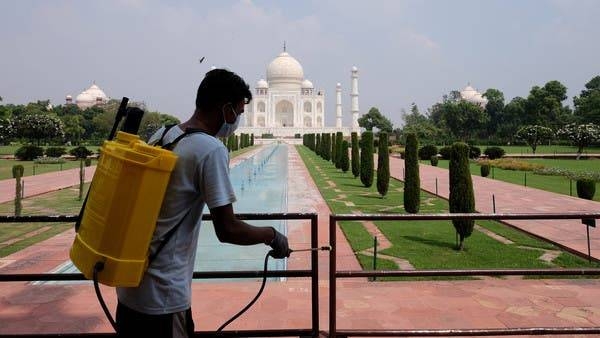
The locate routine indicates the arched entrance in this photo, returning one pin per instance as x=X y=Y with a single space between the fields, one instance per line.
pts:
x=284 y=114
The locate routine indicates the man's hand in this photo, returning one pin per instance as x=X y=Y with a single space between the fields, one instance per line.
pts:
x=280 y=246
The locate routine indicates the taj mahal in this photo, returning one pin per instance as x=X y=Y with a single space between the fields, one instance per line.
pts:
x=286 y=103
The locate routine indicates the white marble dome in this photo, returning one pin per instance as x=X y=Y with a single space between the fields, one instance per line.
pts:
x=91 y=97
x=285 y=68
x=470 y=94
x=262 y=84
x=306 y=84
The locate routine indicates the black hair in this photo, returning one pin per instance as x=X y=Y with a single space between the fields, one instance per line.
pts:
x=221 y=86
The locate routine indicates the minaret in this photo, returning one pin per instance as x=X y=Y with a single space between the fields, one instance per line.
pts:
x=354 y=99
x=338 y=106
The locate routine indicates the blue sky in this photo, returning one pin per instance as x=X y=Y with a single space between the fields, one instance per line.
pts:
x=406 y=51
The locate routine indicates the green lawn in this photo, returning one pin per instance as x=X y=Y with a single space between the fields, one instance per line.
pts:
x=557 y=184
x=425 y=244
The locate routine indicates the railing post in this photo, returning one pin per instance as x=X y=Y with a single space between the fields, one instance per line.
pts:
x=494 y=203
x=314 y=256
x=436 y=186
x=374 y=256
x=332 y=272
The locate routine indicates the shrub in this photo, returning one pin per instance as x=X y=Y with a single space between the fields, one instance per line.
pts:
x=383 y=165
x=485 y=170
x=80 y=152
x=462 y=198
x=445 y=152
x=434 y=160
x=474 y=152
x=586 y=188
x=266 y=136
x=49 y=160
x=355 y=155
x=494 y=152
x=412 y=182
x=512 y=164
x=29 y=152
x=427 y=151
x=366 y=159
x=297 y=136
x=55 y=151
x=345 y=161
x=88 y=162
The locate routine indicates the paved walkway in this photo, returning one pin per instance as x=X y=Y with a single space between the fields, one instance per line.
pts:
x=512 y=198
x=42 y=183
x=490 y=303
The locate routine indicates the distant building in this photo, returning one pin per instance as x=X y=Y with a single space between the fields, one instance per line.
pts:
x=470 y=94
x=286 y=103
x=90 y=97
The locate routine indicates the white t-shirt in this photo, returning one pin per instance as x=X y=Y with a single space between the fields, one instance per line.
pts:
x=200 y=176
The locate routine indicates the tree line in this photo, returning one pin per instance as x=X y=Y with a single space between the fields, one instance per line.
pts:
x=543 y=112
x=40 y=123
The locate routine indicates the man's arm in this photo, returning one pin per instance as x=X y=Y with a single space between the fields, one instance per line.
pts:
x=229 y=229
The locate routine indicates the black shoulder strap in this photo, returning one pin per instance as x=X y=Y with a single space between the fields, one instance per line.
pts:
x=170 y=146
x=160 y=141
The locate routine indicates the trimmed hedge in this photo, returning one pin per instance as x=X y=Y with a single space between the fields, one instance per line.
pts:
x=445 y=152
x=586 y=189
x=80 y=152
x=485 y=170
x=412 y=181
x=494 y=152
x=55 y=151
x=29 y=152
x=434 y=160
x=474 y=152
x=427 y=151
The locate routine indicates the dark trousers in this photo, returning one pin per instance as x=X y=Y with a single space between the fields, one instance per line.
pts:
x=131 y=323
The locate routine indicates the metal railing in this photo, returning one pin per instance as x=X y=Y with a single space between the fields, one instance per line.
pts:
x=334 y=275
x=313 y=273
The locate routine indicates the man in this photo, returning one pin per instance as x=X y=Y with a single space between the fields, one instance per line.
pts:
x=161 y=305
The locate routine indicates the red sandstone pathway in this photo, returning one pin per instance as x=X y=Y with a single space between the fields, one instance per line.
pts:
x=491 y=303
x=512 y=198
x=39 y=184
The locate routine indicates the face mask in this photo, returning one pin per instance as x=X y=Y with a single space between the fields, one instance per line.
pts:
x=227 y=129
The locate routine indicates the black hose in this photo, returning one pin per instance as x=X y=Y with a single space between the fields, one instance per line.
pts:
x=262 y=287
x=99 y=266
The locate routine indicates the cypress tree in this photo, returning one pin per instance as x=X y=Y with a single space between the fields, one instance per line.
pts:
x=462 y=198
x=366 y=159
x=383 y=165
x=339 y=138
x=333 y=148
x=252 y=139
x=412 y=182
x=345 y=161
x=327 y=154
x=355 y=158
x=318 y=146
